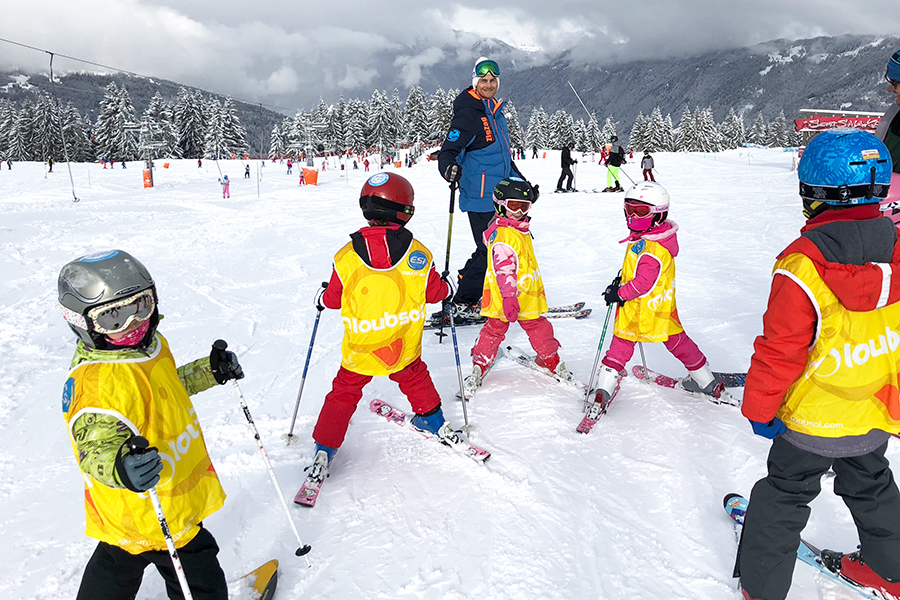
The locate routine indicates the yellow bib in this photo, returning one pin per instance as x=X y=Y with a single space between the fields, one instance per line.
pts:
x=147 y=395
x=850 y=384
x=532 y=300
x=652 y=317
x=383 y=310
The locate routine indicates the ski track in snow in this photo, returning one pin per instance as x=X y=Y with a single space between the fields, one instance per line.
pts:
x=632 y=510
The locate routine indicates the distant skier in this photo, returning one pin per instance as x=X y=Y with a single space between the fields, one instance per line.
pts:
x=366 y=164
x=566 y=161
x=823 y=377
x=614 y=161
x=647 y=166
x=534 y=152
x=123 y=384
x=380 y=260
x=645 y=294
x=226 y=186
x=290 y=165
x=199 y=162
x=50 y=165
x=513 y=288
x=247 y=171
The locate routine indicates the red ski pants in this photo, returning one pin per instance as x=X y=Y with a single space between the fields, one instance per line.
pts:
x=493 y=332
x=346 y=391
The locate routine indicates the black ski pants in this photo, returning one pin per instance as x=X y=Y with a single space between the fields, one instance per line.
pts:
x=471 y=282
x=566 y=174
x=779 y=510
x=114 y=574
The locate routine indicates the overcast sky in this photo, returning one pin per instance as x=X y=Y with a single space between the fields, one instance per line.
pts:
x=293 y=53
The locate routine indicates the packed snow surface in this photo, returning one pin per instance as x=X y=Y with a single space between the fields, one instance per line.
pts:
x=633 y=510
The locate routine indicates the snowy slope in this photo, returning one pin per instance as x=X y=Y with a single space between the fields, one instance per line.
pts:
x=631 y=511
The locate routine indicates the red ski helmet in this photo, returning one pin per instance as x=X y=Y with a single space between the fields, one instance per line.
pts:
x=387 y=196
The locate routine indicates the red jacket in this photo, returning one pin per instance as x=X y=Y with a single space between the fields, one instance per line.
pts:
x=789 y=324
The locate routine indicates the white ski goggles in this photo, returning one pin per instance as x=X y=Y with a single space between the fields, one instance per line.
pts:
x=119 y=315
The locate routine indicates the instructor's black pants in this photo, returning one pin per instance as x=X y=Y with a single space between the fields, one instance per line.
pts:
x=471 y=283
x=566 y=174
x=114 y=574
x=779 y=510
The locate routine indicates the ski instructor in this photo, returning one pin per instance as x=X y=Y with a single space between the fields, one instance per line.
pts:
x=476 y=154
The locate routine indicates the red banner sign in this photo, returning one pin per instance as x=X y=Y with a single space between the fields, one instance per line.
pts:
x=823 y=123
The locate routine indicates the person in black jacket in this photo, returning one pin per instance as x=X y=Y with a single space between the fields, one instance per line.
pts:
x=476 y=154
x=613 y=163
x=566 y=161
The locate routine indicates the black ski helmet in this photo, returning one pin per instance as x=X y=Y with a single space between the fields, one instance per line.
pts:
x=97 y=279
x=387 y=196
x=512 y=188
x=614 y=139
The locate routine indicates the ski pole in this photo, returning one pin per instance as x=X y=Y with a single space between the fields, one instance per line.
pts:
x=304 y=549
x=289 y=436
x=445 y=305
x=462 y=392
x=575 y=175
x=139 y=445
x=587 y=391
x=643 y=358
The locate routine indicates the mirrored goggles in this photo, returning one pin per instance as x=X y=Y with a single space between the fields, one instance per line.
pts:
x=522 y=206
x=119 y=315
x=640 y=209
x=485 y=67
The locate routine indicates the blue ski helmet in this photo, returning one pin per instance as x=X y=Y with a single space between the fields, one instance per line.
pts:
x=843 y=167
x=893 y=67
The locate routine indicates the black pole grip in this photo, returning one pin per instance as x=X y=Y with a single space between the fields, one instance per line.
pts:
x=138 y=444
x=220 y=344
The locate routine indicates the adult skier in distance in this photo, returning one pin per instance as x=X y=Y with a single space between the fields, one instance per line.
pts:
x=888 y=131
x=476 y=155
x=566 y=161
x=381 y=280
x=823 y=378
x=614 y=162
x=123 y=383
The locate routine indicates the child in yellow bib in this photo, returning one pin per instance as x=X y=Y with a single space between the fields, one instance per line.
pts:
x=381 y=281
x=123 y=384
x=513 y=289
x=645 y=294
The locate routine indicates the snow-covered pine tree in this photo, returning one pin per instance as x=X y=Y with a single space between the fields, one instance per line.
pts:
x=396 y=118
x=190 y=123
x=319 y=114
x=595 y=139
x=160 y=127
x=415 y=116
x=516 y=135
x=276 y=143
x=439 y=115
x=20 y=135
x=116 y=129
x=214 y=145
x=357 y=124
x=637 y=140
x=778 y=132
x=732 y=130
x=759 y=133
x=538 y=133
x=336 y=132
x=562 y=130
x=46 y=141
x=7 y=125
x=78 y=136
x=668 y=135
x=707 y=137
x=655 y=138
x=234 y=133
x=582 y=144
x=379 y=125
x=685 y=138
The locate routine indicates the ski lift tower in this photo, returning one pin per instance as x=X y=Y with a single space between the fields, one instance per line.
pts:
x=149 y=141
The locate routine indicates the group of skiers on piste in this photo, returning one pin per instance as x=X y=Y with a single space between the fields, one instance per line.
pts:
x=613 y=158
x=823 y=382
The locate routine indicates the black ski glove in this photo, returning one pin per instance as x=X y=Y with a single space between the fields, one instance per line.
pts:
x=453 y=173
x=224 y=364
x=138 y=466
x=611 y=293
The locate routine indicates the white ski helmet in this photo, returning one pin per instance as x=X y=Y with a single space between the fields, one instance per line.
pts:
x=646 y=205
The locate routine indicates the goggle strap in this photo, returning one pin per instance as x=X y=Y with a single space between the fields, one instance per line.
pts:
x=844 y=194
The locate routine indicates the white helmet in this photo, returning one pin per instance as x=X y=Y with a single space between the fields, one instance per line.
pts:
x=652 y=193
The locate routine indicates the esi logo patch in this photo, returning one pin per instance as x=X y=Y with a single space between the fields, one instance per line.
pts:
x=418 y=260
x=453 y=135
x=68 y=392
x=378 y=179
x=639 y=246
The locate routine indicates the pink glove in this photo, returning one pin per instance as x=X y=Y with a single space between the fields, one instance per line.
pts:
x=511 y=309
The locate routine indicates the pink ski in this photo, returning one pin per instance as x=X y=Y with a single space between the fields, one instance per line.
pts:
x=719 y=395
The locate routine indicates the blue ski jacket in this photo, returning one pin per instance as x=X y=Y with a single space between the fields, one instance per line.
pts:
x=478 y=141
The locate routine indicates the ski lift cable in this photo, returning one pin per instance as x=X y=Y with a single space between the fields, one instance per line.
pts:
x=62 y=135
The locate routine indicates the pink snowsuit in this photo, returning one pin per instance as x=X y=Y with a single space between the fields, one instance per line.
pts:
x=226 y=188
x=506 y=265
x=646 y=274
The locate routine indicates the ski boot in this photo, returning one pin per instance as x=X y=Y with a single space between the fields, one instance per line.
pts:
x=462 y=313
x=473 y=381
x=318 y=470
x=607 y=387
x=618 y=188
x=702 y=381
x=854 y=569
x=433 y=422
x=556 y=367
